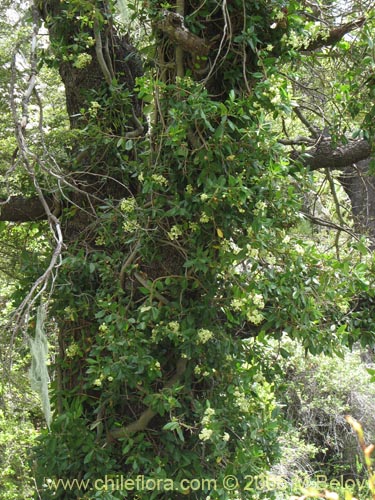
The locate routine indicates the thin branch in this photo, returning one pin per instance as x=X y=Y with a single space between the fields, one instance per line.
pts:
x=331 y=225
x=22 y=313
x=108 y=56
x=337 y=206
x=297 y=141
x=314 y=131
x=33 y=69
x=153 y=292
x=227 y=32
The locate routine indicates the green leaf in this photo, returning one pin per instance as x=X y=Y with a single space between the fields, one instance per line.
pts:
x=129 y=145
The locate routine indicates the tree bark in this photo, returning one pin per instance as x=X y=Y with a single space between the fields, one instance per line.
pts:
x=359 y=184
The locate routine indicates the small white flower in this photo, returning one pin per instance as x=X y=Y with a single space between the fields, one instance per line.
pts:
x=300 y=250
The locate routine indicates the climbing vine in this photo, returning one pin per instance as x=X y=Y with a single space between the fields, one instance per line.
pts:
x=184 y=261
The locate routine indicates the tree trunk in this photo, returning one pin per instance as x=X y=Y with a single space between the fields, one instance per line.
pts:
x=359 y=184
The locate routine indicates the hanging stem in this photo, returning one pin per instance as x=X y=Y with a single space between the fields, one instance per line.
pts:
x=180 y=70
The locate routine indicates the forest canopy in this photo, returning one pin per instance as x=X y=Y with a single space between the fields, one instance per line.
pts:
x=187 y=191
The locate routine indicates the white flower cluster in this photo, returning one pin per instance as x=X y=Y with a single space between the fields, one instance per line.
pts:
x=162 y=330
x=204 y=335
x=193 y=226
x=208 y=413
x=226 y=437
x=175 y=232
x=159 y=179
x=103 y=328
x=206 y=433
x=253 y=253
x=313 y=32
x=128 y=205
x=257 y=299
x=130 y=226
x=100 y=240
x=255 y=317
x=99 y=381
x=174 y=326
x=299 y=249
x=241 y=400
x=251 y=305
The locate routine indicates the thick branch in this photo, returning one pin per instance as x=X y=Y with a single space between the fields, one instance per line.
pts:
x=20 y=209
x=335 y=34
x=324 y=155
x=173 y=25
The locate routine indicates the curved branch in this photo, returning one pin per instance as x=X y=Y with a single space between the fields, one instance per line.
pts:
x=173 y=25
x=99 y=54
x=138 y=131
x=143 y=420
x=127 y=263
x=149 y=287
